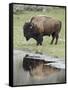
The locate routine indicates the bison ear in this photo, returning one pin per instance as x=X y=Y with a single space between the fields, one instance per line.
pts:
x=27 y=23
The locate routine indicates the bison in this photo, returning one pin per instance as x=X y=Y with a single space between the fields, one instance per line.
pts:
x=40 y=26
x=31 y=62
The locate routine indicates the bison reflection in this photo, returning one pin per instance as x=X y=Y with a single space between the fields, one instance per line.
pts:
x=37 y=67
x=40 y=26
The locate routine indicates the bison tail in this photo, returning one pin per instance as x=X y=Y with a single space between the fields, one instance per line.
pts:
x=60 y=25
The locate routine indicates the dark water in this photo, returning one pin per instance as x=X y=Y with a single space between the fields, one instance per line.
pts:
x=21 y=77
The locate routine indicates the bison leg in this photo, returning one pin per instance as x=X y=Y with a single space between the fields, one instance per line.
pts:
x=57 y=36
x=39 y=40
x=39 y=43
x=53 y=37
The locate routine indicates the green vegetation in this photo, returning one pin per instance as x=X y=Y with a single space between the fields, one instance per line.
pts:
x=20 y=42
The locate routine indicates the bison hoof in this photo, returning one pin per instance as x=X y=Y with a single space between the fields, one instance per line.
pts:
x=39 y=44
x=55 y=43
x=51 y=43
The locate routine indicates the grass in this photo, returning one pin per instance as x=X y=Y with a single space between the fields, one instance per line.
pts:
x=20 y=42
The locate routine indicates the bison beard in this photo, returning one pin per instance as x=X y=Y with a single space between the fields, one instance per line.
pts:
x=40 y=26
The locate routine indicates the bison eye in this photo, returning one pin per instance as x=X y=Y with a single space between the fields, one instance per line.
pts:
x=30 y=27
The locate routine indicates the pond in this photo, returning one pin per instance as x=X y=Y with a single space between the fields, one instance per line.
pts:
x=51 y=73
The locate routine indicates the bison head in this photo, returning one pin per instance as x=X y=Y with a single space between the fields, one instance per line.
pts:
x=28 y=30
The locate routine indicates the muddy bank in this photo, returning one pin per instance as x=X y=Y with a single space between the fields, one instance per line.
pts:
x=39 y=75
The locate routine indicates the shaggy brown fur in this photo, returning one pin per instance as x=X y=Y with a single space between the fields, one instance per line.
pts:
x=40 y=26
